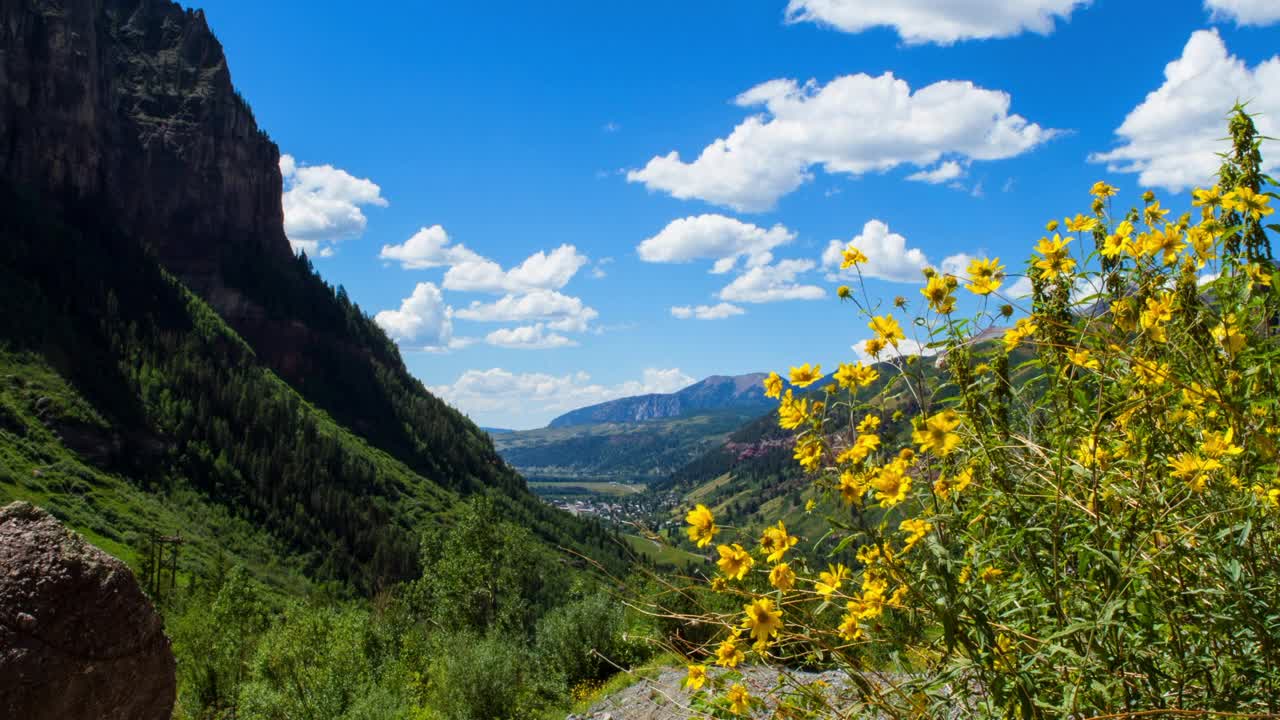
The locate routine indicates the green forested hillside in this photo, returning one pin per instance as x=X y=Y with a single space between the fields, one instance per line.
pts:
x=617 y=452
x=170 y=402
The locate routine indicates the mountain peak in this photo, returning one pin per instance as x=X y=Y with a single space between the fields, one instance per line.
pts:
x=717 y=392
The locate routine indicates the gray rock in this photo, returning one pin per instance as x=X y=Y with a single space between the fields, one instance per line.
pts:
x=78 y=638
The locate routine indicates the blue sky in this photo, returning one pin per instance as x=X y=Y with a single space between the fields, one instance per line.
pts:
x=530 y=144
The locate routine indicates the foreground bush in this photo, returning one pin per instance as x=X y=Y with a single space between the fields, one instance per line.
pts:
x=1086 y=518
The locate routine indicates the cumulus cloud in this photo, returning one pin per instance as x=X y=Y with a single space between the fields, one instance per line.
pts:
x=565 y=313
x=853 y=125
x=424 y=319
x=540 y=271
x=1245 y=12
x=930 y=21
x=888 y=257
x=772 y=283
x=537 y=397
x=706 y=312
x=323 y=205
x=1172 y=138
x=949 y=170
x=714 y=237
x=528 y=337
x=428 y=248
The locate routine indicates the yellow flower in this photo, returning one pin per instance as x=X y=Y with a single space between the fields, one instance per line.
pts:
x=1200 y=241
x=1081 y=223
x=762 y=620
x=916 y=529
x=776 y=542
x=936 y=434
x=1210 y=198
x=1024 y=328
x=852 y=487
x=849 y=628
x=1229 y=336
x=990 y=574
x=874 y=347
x=702 y=527
x=1257 y=276
x=782 y=577
x=1247 y=202
x=1219 y=445
x=791 y=412
x=739 y=699
x=945 y=486
x=855 y=375
x=852 y=256
x=734 y=562
x=773 y=385
x=1056 y=259
x=1084 y=359
x=1154 y=214
x=938 y=292
x=804 y=376
x=808 y=453
x=1167 y=243
x=1051 y=226
x=696 y=678
x=843 y=292
x=869 y=423
x=1194 y=469
x=887 y=329
x=862 y=447
x=892 y=484
x=1152 y=374
x=729 y=654
x=985 y=276
x=965 y=572
x=1102 y=189
x=1159 y=311
x=831 y=579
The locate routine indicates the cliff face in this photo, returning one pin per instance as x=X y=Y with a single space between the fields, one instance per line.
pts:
x=128 y=105
x=718 y=392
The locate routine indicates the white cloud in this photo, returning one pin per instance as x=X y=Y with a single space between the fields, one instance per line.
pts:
x=1020 y=289
x=597 y=271
x=853 y=125
x=505 y=396
x=930 y=21
x=423 y=319
x=957 y=265
x=566 y=313
x=949 y=170
x=322 y=205
x=528 y=337
x=772 y=283
x=540 y=271
x=706 y=312
x=714 y=237
x=1244 y=12
x=428 y=248
x=888 y=256
x=1172 y=138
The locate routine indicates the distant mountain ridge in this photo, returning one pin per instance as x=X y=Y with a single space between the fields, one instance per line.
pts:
x=718 y=392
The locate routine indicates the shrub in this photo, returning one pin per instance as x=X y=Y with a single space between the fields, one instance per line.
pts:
x=1085 y=519
x=588 y=640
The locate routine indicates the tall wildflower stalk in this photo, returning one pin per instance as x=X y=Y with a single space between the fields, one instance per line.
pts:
x=1077 y=515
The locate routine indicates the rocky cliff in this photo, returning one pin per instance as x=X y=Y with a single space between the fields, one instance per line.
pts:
x=718 y=392
x=127 y=105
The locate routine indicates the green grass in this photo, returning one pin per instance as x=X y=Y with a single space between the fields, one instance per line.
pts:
x=624 y=680
x=661 y=554
x=112 y=511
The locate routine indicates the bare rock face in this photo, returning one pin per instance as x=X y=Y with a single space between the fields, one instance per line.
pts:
x=78 y=639
x=128 y=105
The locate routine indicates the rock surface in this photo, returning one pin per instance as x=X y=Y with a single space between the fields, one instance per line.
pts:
x=127 y=105
x=78 y=638
x=714 y=393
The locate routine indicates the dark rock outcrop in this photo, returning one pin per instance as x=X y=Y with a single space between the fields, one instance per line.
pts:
x=78 y=638
x=128 y=105
x=718 y=392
